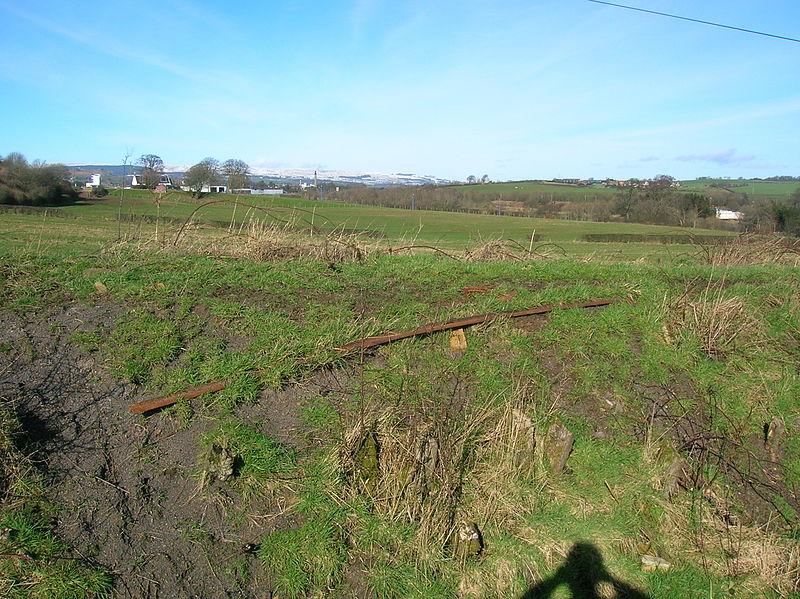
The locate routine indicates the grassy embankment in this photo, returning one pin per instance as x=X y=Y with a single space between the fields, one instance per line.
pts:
x=422 y=439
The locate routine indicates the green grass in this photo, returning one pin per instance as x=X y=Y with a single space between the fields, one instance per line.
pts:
x=193 y=317
x=755 y=189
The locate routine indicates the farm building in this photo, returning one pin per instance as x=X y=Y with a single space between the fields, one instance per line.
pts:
x=723 y=214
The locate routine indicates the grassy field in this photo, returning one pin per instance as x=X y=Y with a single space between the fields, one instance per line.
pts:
x=436 y=466
x=98 y=219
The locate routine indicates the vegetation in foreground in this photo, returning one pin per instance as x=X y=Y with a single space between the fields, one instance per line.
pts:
x=442 y=469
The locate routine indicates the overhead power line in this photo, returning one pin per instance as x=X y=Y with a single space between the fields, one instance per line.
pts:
x=664 y=14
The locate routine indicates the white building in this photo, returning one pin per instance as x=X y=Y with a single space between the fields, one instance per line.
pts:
x=94 y=180
x=723 y=214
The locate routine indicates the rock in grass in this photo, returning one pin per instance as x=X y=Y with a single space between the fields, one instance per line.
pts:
x=220 y=462
x=365 y=459
x=458 y=341
x=651 y=563
x=773 y=437
x=558 y=447
x=526 y=440
x=467 y=540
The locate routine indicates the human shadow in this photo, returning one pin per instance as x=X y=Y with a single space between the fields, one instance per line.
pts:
x=584 y=573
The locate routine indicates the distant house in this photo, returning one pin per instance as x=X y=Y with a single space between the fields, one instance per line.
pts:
x=94 y=181
x=257 y=192
x=723 y=214
x=164 y=182
x=208 y=188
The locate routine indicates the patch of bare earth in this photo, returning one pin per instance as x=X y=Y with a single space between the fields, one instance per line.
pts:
x=128 y=485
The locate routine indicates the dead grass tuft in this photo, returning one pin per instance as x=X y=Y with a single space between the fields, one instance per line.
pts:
x=437 y=469
x=750 y=250
x=506 y=250
x=722 y=325
x=754 y=556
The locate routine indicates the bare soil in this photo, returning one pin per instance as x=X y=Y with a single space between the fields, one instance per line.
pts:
x=129 y=485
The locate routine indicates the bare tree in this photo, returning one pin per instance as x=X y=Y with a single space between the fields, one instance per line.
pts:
x=152 y=169
x=204 y=173
x=236 y=172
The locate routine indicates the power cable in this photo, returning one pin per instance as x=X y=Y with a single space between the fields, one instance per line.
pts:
x=664 y=14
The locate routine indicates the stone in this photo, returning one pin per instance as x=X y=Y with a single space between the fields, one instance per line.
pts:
x=651 y=563
x=428 y=457
x=677 y=476
x=558 y=447
x=365 y=460
x=773 y=437
x=221 y=462
x=526 y=439
x=467 y=540
x=458 y=340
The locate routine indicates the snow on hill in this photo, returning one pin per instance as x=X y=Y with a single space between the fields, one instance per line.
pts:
x=293 y=175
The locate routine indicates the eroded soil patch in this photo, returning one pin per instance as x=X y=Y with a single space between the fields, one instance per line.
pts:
x=130 y=486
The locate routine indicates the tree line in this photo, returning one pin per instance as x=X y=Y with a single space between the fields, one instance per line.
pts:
x=34 y=184
x=657 y=201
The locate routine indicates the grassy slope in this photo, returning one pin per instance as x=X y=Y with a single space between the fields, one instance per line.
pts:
x=595 y=371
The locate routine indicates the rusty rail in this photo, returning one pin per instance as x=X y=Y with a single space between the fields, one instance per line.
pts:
x=154 y=403
x=148 y=405
x=466 y=322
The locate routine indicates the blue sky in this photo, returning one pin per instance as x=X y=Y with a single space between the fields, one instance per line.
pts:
x=512 y=89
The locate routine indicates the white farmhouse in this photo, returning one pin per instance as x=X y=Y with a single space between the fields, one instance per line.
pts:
x=723 y=214
x=94 y=181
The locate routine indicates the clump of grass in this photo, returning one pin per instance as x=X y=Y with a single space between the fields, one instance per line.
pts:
x=720 y=324
x=141 y=341
x=261 y=462
x=307 y=561
x=507 y=250
x=265 y=242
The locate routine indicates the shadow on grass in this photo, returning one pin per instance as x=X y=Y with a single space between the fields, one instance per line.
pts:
x=586 y=576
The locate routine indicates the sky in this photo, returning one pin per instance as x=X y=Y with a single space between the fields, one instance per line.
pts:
x=534 y=89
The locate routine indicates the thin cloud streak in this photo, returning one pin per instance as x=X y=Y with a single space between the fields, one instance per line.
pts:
x=108 y=49
x=728 y=157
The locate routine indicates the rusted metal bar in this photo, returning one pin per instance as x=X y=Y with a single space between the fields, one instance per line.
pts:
x=147 y=405
x=467 y=291
x=154 y=403
x=466 y=322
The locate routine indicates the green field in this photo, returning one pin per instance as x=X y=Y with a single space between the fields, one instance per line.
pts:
x=89 y=221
